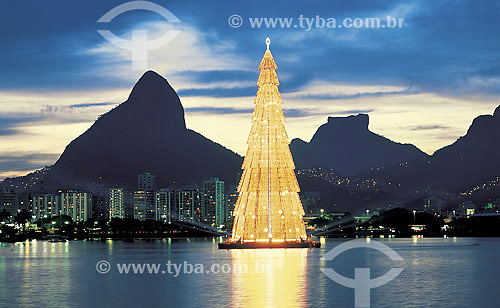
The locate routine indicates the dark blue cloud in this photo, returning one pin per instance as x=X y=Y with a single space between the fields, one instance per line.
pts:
x=90 y=105
x=8 y=131
x=218 y=110
x=429 y=127
x=289 y=112
x=210 y=76
x=356 y=95
x=219 y=92
x=45 y=44
x=8 y=124
x=25 y=161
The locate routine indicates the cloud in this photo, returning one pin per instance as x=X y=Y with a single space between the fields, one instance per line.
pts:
x=91 y=105
x=437 y=50
x=8 y=131
x=77 y=107
x=356 y=95
x=9 y=124
x=219 y=92
x=288 y=112
x=214 y=76
x=21 y=161
x=429 y=127
x=217 y=110
x=355 y=111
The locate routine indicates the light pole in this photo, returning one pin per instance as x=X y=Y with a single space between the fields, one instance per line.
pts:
x=414 y=212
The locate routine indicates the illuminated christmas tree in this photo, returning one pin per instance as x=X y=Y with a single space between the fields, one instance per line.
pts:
x=268 y=208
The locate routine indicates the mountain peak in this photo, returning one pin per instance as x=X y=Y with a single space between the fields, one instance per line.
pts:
x=346 y=145
x=150 y=87
x=146 y=132
x=486 y=124
x=357 y=122
x=150 y=75
x=153 y=100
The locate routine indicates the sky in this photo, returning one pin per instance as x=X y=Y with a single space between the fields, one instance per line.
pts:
x=421 y=83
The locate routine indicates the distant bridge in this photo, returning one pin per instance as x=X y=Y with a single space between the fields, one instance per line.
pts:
x=346 y=222
x=197 y=226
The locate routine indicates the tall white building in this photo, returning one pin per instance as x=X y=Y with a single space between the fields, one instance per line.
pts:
x=116 y=203
x=76 y=204
x=214 y=203
x=188 y=204
x=165 y=205
x=45 y=205
x=144 y=205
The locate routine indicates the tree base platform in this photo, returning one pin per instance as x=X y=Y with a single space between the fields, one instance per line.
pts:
x=267 y=245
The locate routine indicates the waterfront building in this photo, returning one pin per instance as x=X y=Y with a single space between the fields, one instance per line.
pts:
x=8 y=202
x=25 y=202
x=214 y=203
x=76 y=204
x=100 y=207
x=116 y=203
x=45 y=205
x=166 y=203
x=144 y=205
x=188 y=204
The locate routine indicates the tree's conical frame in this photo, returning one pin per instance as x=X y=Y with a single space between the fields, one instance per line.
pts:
x=268 y=206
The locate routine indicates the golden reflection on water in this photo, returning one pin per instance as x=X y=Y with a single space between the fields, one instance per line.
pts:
x=37 y=260
x=269 y=278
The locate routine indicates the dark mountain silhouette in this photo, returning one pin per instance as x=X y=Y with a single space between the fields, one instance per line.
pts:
x=145 y=133
x=471 y=159
x=346 y=145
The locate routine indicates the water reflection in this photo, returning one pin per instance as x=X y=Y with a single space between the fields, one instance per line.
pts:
x=269 y=278
x=438 y=273
x=34 y=262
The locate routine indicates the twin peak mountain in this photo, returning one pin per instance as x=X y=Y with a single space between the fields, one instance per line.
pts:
x=148 y=132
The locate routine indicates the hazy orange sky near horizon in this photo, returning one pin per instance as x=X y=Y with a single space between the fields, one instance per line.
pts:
x=388 y=117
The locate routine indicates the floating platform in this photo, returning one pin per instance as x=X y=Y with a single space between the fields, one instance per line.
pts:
x=266 y=245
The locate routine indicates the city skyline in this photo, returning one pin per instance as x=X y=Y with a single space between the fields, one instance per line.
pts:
x=427 y=105
x=204 y=202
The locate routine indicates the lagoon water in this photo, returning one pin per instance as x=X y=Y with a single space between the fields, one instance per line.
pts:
x=450 y=272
